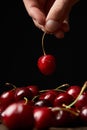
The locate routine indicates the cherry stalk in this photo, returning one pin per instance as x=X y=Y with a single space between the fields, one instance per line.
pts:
x=82 y=90
x=43 y=43
x=47 y=62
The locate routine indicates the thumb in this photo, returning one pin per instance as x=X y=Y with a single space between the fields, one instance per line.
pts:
x=57 y=14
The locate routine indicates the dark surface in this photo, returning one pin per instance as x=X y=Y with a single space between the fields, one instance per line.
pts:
x=20 y=47
x=78 y=128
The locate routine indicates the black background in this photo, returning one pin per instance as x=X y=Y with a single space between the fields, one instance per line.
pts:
x=20 y=47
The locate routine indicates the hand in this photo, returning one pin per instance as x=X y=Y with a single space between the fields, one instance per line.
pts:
x=51 y=16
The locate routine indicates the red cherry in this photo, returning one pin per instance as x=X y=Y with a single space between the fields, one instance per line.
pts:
x=6 y=98
x=22 y=92
x=42 y=103
x=83 y=115
x=47 y=64
x=61 y=118
x=63 y=98
x=18 y=116
x=49 y=95
x=43 y=117
x=1 y=110
x=74 y=90
x=64 y=117
x=34 y=89
x=82 y=101
x=25 y=100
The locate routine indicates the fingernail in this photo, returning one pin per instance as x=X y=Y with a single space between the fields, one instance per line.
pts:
x=52 y=25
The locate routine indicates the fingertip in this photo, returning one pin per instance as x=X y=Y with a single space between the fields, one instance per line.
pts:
x=65 y=26
x=39 y=25
x=51 y=25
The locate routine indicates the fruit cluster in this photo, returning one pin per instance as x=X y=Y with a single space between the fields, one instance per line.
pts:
x=28 y=107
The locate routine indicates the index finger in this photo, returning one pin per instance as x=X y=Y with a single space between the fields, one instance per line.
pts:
x=35 y=10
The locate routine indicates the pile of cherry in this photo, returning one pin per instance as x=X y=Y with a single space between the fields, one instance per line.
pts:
x=28 y=107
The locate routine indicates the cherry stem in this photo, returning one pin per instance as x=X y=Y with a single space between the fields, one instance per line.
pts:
x=61 y=86
x=83 y=88
x=65 y=109
x=35 y=97
x=42 y=91
x=46 y=90
x=26 y=100
x=57 y=89
x=43 y=43
x=11 y=85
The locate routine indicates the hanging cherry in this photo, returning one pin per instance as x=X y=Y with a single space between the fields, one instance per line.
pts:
x=47 y=62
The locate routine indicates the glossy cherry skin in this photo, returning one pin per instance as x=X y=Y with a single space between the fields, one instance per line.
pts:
x=63 y=118
x=43 y=117
x=0 y=114
x=63 y=98
x=82 y=101
x=34 y=89
x=49 y=95
x=47 y=64
x=74 y=90
x=83 y=115
x=42 y=103
x=22 y=92
x=18 y=116
x=7 y=98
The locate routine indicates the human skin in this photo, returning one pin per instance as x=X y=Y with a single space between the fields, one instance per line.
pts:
x=51 y=16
